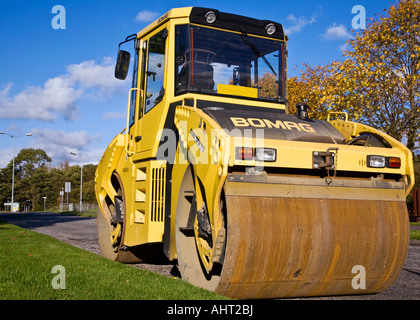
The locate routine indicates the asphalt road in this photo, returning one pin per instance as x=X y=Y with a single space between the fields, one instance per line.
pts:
x=81 y=232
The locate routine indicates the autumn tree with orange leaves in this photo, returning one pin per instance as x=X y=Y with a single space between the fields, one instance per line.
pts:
x=378 y=83
x=311 y=86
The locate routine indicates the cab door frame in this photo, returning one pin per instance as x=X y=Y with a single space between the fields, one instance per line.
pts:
x=148 y=119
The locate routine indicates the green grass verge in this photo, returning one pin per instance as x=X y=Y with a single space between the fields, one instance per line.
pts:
x=27 y=259
x=89 y=214
x=415 y=234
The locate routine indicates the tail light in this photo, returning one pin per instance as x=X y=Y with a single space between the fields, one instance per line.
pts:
x=244 y=153
x=393 y=162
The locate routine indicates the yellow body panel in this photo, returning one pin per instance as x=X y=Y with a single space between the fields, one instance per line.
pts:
x=106 y=167
x=353 y=129
x=145 y=212
x=237 y=90
x=177 y=13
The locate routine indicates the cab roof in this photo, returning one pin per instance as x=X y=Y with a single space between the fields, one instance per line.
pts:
x=223 y=20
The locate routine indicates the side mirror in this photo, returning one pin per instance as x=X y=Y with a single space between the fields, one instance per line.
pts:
x=123 y=62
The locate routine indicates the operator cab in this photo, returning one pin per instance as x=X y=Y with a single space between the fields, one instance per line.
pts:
x=216 y=54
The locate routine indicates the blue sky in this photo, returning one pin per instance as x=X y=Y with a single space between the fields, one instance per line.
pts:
x=58 y=84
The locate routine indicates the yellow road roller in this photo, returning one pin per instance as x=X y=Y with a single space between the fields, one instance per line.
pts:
x=246 y=199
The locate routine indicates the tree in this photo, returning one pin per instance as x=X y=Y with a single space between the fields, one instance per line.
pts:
x=28 y=160
x=378 y=83
x=383 y=68
x=313 y=87
x=34 y=188
x=5 y=185
x=36 y=179
x=269 y=87
x=89 y=183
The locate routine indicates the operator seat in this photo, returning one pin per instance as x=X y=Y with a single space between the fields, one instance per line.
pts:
x=197 y=72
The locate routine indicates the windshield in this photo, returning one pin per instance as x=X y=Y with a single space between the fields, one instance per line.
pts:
x=212 y=61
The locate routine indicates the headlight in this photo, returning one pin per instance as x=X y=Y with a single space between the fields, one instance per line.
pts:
x=376 y=161
x=210 y=17
x=270 y=29
x=265 y=154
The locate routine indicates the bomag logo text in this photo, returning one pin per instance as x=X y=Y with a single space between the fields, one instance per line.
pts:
x=265 y=123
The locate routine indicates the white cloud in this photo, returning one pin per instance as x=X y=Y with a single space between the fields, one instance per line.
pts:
x=89 y=74
x=6 y=156
x=76 y=140
x=337 y=32
x=297 y=24
x=146 y=16
x=58 y=145
x=114 y=115
x=59 y=96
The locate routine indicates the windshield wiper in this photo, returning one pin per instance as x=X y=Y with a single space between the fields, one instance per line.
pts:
x=257 y=51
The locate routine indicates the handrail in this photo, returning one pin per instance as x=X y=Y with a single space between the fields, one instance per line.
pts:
x=338 y=112
x=128 y=122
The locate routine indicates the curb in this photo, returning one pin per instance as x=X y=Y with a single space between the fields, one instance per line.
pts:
x=414 y=242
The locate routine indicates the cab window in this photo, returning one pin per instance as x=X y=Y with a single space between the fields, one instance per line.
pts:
x=155 y=70
x=134 y=92
x=219 y=62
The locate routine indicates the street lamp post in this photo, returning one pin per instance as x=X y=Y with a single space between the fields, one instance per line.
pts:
x=81 y=180
x=13 y=170
x=62 y=200
x=45 y=199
